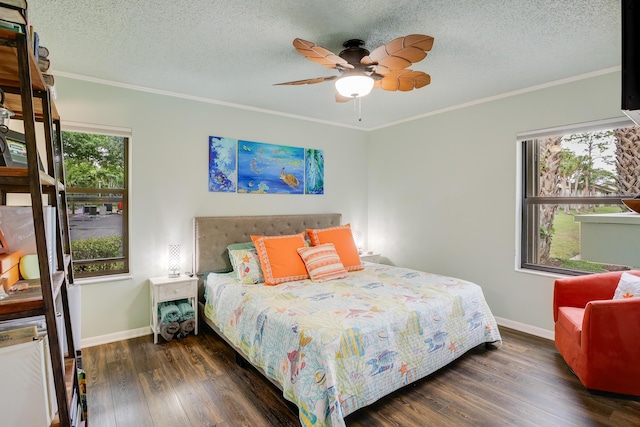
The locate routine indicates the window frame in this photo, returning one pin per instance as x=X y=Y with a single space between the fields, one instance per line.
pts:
x=529 y=165
x=124 y=133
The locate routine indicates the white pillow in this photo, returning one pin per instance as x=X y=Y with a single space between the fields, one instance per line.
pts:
x=628 y=287
x=246 y=266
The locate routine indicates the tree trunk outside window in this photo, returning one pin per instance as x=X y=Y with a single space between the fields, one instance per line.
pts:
x=550 y=157
x=627 y=160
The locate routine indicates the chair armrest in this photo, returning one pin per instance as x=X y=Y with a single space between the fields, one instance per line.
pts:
x=612 y=324
x=577 y=291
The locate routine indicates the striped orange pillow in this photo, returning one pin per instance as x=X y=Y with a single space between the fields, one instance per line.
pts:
x=323 y=262
x=278 y=258
x=342 y=238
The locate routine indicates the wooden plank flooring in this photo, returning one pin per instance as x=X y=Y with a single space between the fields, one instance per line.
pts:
x=196 y=381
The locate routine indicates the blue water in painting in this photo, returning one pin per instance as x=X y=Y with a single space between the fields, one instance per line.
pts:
x=270 y=168
x=222 y=164
x=314 y=179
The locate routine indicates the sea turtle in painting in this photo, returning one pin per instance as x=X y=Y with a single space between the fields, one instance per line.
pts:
x=289 y=179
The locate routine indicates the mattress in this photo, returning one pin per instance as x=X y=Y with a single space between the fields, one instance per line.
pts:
x=337 y=346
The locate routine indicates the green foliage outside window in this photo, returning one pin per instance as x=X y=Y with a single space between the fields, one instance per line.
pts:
x=93 y=161
x=96 y=182
x=97 y=248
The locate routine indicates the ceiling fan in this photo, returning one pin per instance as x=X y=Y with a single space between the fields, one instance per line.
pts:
x=361 y=70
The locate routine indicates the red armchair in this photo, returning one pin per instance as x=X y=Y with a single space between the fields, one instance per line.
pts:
x=598 y=337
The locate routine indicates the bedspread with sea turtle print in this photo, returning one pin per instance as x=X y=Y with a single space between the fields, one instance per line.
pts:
x=340 y=345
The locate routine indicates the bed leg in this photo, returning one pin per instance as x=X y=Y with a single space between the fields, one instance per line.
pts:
x=241 y=361
x=494 y=345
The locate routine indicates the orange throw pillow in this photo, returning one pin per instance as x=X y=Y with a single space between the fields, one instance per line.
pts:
x=342 y=239
x=279 y=258
x=323 y=262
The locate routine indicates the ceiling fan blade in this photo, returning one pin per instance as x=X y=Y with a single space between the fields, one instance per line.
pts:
x=308 y=81
x=399 y=53
x=340 y=98
x=404 y=80
x=319 y=54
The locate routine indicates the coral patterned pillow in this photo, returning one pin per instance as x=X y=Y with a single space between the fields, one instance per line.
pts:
x=628 y=287
x=246 y=266
x=323 y=262
x=342 y=238
x=279 y=258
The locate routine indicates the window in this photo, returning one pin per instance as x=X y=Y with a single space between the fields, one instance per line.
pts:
x=573 y=182
x=97 y=180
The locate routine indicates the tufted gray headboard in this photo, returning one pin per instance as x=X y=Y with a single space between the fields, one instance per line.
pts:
x=212 y=234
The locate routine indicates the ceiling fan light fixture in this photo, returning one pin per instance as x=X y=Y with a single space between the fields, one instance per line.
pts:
x=354 y=86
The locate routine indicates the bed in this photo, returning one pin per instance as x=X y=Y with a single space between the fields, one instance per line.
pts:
x=335 y=346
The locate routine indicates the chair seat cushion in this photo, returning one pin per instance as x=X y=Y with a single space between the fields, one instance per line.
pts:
x=570 y=318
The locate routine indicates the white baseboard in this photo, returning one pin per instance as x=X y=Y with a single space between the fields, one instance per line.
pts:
x=528 y=329
x=116 y=336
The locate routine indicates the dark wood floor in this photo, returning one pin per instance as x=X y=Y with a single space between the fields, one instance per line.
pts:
x=196 y=382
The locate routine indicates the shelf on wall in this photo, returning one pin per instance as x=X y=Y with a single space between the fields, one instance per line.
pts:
x=9 y=72
x=20 y=177
x=29 y=300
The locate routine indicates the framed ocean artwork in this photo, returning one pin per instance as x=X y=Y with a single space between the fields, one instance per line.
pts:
x=270 y=168
x=222 y=164
x=314 y=171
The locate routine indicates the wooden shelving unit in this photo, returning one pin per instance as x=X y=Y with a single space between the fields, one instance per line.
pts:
x=28 y=97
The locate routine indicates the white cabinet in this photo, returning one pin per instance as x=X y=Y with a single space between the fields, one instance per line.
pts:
x=27 y=395
x=172 y=289
x=370 y=257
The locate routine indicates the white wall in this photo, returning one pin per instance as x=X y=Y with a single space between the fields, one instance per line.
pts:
x=442 y=190
x=169 y=182
x=437 y=193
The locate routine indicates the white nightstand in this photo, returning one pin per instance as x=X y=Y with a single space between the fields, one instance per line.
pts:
x=371 y=257
x=172 y=289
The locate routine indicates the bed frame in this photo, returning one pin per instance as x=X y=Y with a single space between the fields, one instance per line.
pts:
x=212 y=235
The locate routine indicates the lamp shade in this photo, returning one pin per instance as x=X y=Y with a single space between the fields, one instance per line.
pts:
x=174 y=261
x=354 y=86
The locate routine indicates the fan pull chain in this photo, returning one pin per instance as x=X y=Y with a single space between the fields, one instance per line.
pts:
x=357 y=103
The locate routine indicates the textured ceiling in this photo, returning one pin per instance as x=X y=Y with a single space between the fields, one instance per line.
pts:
x=234 y=51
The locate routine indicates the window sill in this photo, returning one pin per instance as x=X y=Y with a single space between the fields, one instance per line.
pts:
x=541 y=273
x=103 y=279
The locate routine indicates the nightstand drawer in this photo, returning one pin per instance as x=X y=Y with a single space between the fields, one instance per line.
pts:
x=171 y=291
